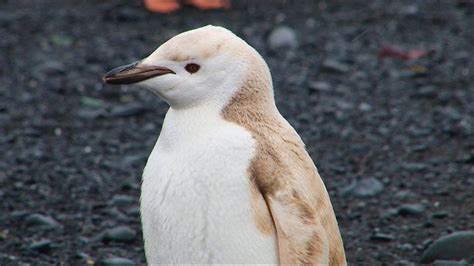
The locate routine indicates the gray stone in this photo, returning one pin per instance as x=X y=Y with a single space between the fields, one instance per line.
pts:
x=121 y=200
x=440 y=214
x=117 y=262
x=415 y=167
x=449 y=263
x=130 y=109
x=49 y=68
x=282 y=37
x=41 y=246
x=133 y=211
x=366 y=187
x=411 y=209
x=389 y=213
x=319 y=86
x=455 y=246
x=42 y=220
x=120 y=233
x=330 y=65
x=382 y=237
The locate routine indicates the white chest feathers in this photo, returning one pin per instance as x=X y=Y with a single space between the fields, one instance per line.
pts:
x=196 y=201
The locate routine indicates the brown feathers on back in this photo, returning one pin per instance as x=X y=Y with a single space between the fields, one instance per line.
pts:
x=286 y=178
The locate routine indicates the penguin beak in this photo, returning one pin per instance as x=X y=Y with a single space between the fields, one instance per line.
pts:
x=134 y=73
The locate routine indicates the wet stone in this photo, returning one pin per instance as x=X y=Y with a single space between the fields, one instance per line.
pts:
x=319 y=86
x=121 y=200
x=330 y=65
x=367 y=187
x=41 y=246
x=382 y=237
x=42 y=220
x=448 y=247
x=116 y=262
x=411 y=209
x=282 y=37
x=120 y=233
x=126 y=110
x=449 y=263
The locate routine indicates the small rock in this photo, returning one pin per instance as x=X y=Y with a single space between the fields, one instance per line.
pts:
x=334 y=66
x=365 y=107
x=415 y=167
x=92 y=102
x=130 y=109
x=440 y=214
x=41 y=246
x=133 y=211
x=120 y=233
x=389 y=213
x=456 y=246
x=382 y=237
x=117 y=262
x=449 y=263
x=425 y=92
x=282 y=37
x=87 y=113
x=19 y=214
x=134 y=159
x=405 y=247
x=42 y=220
x=411 y=209
x=319 y=86
x=117 y=214
x=405 y=194
x=367 y=187
x=121 y=200
x=83 y=255
x=49 y=68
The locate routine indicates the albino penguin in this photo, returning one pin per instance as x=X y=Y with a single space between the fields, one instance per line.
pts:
x=229 y=180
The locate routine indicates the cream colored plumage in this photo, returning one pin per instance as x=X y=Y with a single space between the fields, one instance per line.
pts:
x=229 y=180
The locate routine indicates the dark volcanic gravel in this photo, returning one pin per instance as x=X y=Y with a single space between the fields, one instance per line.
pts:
x=73 y=150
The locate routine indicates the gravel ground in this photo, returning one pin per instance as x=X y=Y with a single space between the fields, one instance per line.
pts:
x=392 y=138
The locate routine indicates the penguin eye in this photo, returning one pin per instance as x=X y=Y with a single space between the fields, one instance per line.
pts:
x=192 y=68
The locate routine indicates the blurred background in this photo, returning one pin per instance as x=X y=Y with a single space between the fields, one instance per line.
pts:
x=381 y=92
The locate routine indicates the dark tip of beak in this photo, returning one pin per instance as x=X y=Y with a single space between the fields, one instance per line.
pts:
x=134 y=73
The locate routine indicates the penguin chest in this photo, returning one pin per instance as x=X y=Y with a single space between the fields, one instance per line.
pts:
x=196 y=202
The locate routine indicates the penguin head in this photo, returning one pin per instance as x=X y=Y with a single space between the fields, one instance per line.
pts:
x=202 y=66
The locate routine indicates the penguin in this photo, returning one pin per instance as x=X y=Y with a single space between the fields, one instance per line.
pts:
x=229 y=179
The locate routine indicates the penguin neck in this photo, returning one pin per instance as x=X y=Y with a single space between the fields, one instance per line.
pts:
x=253 y=102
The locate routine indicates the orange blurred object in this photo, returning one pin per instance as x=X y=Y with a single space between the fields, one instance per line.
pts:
x=167 y=6
x=162 y=6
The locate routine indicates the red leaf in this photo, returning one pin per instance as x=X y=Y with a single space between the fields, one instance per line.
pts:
x=394 y=52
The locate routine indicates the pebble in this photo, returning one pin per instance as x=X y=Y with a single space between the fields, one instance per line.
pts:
x=134 y=159
x=411 y=209
x=49 y=68
x=319 y=86
x=365 y=107
x=449 y=247
x=282 y=37
x=440 y=214
x=382 y=237
x=120 y=233
x=415 y=167
x=42 y=220
x=116 y=262
x=449 y=263
x=330 y=65
x=133 y=211
x=88 y=113
x=121 y=200
x=366 y=187
x=126 y=110
x=41 y=246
